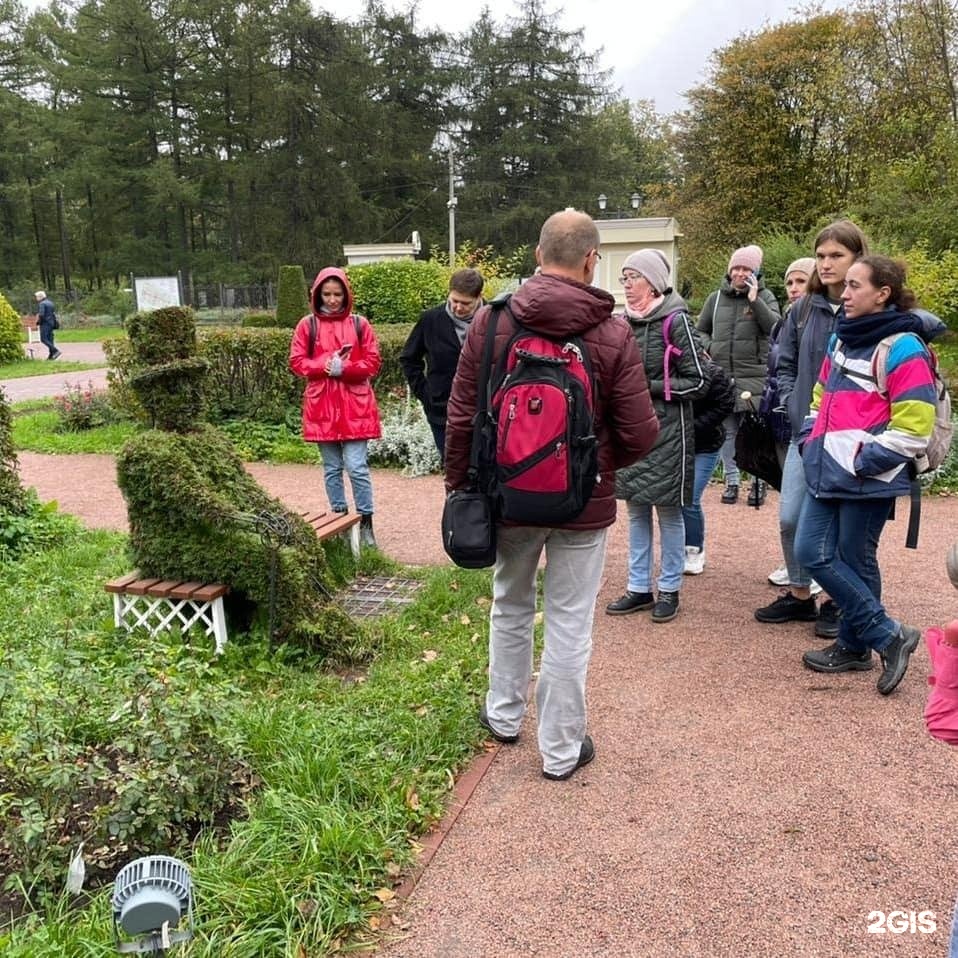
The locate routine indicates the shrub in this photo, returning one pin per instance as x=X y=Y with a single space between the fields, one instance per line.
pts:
x=260 y=320
x=407 y=441
x=82 y=408
x=108 y=300
x=249 y=374
x=292 y=297
x=12 y=495
x=397 y=291
x=11 y=333
x=33 y=526
x=935 y=282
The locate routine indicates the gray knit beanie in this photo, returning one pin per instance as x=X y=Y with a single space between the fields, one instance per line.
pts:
x=652 y=264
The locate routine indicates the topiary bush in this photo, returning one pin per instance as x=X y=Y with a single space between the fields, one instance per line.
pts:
x=11 y=333
x=397 y=291
x=259 y=320
x=292 y=297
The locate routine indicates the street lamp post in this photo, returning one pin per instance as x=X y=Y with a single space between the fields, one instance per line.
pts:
x=635 y=200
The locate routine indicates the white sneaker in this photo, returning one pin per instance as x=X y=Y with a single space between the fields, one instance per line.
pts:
x=694 y=560
x=779 y=577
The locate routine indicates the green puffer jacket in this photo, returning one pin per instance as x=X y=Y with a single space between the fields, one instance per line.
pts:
x=735 y=333
x=664 y=477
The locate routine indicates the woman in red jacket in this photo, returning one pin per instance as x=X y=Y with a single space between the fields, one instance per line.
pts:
x=337 y=354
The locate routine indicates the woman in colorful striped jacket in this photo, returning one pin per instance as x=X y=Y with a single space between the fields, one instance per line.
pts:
x=858 y=446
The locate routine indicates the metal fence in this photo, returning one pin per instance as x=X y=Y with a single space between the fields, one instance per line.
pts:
x=224 y=296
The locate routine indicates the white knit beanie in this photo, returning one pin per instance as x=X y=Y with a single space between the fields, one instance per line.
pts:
x=652 y=264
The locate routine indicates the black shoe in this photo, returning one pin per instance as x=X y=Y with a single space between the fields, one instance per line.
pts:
x=756 y=493
x=586 y=754
x=826 y=625
x=894 y=658
x=838 y=658
x=787 y=608
x=730 y=495
x=54 y=355
x=630 y=602
x=484 y=722
x=667 y=607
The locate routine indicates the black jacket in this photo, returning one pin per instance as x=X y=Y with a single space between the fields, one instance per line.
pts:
x=429 y=361
x=711 y=409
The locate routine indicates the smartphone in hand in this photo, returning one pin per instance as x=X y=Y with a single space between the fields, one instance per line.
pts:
x=345 y=349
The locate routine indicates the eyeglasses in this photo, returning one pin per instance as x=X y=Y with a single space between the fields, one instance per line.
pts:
x=598 y=255
x=630 y=278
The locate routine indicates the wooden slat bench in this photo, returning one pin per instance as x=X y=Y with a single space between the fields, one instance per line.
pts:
x=160 y=604
x=329 y=524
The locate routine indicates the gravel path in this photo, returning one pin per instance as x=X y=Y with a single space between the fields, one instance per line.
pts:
x=49 y=384
x=739 y=805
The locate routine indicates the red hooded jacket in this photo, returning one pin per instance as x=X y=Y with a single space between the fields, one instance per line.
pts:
x=336 y=408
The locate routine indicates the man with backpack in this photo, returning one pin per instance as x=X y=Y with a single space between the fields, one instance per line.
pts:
x=556 y=318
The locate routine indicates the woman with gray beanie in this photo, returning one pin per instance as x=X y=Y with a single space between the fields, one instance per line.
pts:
x=670 y=351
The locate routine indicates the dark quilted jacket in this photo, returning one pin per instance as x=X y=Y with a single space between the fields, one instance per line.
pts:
x=626 y=426
x=664 y=477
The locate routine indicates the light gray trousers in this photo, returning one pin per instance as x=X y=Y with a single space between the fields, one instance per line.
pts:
x=573 y=571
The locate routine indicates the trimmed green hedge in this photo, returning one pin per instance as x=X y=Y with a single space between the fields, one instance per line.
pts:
x=397 y=291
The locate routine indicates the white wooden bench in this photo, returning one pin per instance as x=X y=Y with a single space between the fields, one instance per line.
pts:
x=32 y=330
x=160 y=604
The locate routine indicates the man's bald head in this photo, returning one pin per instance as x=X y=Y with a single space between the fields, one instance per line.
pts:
x=566 y=240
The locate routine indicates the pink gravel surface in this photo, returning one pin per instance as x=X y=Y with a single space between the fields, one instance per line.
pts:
x=738 y=805
x=53 y=382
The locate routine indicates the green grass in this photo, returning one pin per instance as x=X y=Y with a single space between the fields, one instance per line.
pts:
x=36 y=367
x=91 y=334
x=347 y=770
x=37 y=432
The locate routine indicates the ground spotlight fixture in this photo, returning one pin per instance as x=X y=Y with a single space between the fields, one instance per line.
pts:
x=151 y=897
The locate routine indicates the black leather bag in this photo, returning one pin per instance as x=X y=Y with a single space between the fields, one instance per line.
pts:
x=469 y=529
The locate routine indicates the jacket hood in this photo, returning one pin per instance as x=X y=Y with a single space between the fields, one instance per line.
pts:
x=330 y=272
x=556 y=306
x=931 y=326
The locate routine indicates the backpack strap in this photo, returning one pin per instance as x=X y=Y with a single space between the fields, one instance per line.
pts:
x=484 y=390
x=670 y=351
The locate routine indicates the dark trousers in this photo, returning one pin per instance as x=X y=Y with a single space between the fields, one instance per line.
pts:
x=46 y=337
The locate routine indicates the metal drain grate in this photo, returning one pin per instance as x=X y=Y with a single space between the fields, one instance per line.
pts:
x=368 y=597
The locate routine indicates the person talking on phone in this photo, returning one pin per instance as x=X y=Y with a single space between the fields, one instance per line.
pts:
x=735 y=323
x=336 y=352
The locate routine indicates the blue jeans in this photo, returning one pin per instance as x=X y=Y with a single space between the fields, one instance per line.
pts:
x=837 y=541
x=351 y=456
x=794 y=491
x=729 y=466
x=672 y=534
x=693 y=514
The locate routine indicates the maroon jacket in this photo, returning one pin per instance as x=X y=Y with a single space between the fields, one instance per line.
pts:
x=625 y=421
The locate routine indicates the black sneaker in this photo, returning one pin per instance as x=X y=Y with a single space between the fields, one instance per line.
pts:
x=838 y=658
x=756 y=493
x=484 y=722
x=787 y=608
x=586 y=754
x=826 y=625
x=667 y=607
x=894 y=658
x=730 y=495
x=631 y=602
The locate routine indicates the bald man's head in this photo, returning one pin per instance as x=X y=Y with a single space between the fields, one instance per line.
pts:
x=566 y=240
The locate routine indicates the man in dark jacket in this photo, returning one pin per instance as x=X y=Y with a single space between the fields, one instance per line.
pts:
x=559 y=301
x=47 y=322
x=432 y=350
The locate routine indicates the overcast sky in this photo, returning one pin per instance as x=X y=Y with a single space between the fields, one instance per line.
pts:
x=656 y=50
